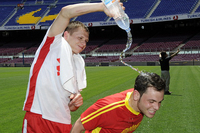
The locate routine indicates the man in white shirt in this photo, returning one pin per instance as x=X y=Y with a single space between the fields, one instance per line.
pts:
x=57 y=74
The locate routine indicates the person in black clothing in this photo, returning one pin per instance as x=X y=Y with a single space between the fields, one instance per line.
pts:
x=164 y=64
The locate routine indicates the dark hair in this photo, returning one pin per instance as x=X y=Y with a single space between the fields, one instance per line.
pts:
x=163 y=54
x=146 y=79
x=74 y=25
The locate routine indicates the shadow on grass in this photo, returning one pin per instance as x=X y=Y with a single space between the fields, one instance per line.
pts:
x=173 y=95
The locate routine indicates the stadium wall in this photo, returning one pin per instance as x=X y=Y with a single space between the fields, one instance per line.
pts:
x=109 y=23
x=178 y=63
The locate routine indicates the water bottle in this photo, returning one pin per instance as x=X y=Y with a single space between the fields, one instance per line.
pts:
x=120 y=17
x=122 y=20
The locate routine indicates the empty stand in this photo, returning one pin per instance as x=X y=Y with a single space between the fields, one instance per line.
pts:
x=5 y=11
x=33 y=10
x=14 y=48
x=10 y=2
x=28 y=15
x=4 y=60
x=11 y=51
x=173 y=7
x=89 y=48
x=186 y=57
x=92 y=17
x=133 y=7
x=116 y=44
x=61 y=1
x=112 y=48
x=141 y=58
x=103 y=41
x=21 y=61
x=164 y=41
x=31 y=51
x=193 y=43
x=101 y=59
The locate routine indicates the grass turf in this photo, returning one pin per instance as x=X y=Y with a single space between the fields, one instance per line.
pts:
x=179 y=112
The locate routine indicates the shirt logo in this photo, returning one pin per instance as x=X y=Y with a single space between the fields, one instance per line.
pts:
x=131 y=129
x=58 y=67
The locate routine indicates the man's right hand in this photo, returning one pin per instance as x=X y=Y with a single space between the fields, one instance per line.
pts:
x=76 y=100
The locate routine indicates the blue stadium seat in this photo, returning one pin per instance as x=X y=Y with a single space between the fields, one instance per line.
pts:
x=20 y=17
x=4 y=12
x=10 y=2
x=92 y=17
x=171 y=7
x=52 y=15
x=137 y=8
x=134 y=8
x=75 y=1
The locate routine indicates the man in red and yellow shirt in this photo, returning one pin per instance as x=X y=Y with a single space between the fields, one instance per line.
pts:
x=123 y=112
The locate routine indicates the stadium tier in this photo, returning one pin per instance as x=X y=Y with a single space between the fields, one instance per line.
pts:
x=4 y=60
x=112 y=48
x=14 y=48
x=89 y=49
x=98 y=59
x=31 y=51
x=164 y=41
x=97 y=46
x=193 y=43
x=186 y=57
x=92 y=17
x=20 y=61
x=43 y=12
x=171 y=7
x=101 y=59
x=133 y=8
x=110 y=42
x=5 y=11
x=20 y=18
x=141 y=58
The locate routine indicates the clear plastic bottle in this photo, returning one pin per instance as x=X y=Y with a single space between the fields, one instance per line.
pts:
x=122 y=20
x=120 y=17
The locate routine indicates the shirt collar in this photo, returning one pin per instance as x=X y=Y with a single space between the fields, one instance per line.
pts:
x=128 y=105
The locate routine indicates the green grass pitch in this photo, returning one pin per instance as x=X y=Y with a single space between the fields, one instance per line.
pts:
x=179 y=112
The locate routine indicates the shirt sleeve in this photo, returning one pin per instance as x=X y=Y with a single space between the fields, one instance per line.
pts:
x=95 y=115
x=169 y=58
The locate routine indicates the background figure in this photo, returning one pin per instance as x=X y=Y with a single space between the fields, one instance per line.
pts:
x=164 y=64
x=57 y=74
x=124 y=111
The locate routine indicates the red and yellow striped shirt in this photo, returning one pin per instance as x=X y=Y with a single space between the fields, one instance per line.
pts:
x=111 y=114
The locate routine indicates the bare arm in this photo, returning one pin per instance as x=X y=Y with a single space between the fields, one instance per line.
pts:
x=174 y=54
x=71 y=11
x=77 y=127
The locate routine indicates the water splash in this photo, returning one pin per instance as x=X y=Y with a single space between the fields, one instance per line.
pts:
x=128 y=45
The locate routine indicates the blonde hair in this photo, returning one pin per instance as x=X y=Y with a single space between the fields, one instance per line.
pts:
x=74 y=25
